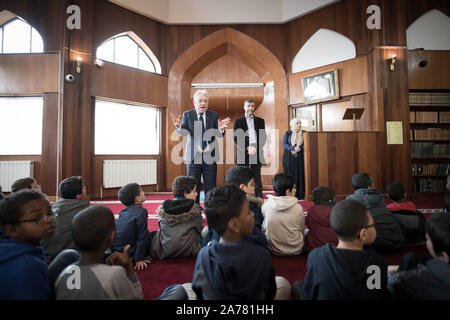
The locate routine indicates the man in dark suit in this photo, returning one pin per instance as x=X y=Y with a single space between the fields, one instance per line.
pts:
x=250 y=138
x=202 y=127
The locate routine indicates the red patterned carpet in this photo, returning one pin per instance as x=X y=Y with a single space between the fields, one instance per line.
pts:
x=164 y=273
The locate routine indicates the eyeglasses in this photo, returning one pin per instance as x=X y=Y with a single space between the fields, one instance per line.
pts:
x=370 y=226
x=367 y=227
x=41 y=219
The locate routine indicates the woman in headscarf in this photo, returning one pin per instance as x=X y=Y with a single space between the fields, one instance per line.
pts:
x=293 y=155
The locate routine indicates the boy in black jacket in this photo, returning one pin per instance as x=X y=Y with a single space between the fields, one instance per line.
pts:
x=346 y=272
x=411 y=221
x=430 y=280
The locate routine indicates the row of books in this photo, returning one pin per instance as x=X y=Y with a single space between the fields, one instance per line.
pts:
x=435 y=169
x=429 y=185
x=430 y=150
x=428 y=98
x=431 y=134
x=429 y=117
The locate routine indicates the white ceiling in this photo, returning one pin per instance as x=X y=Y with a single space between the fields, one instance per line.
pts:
x=222 y=11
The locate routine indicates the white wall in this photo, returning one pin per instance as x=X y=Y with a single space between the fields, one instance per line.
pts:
x=155 y=9
x=431 y=31
x=229 y=11
x=222 y=11
x=291 y=9
x=323 y=48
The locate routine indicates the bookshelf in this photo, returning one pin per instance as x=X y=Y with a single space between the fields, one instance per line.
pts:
x=430 y=139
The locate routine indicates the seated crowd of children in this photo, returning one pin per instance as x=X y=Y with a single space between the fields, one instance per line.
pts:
x=52 y=251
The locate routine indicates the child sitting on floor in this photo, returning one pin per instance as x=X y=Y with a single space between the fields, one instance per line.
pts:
x=27 y=218
x=94 y=232
x=243 y=178
x=25 y=183
x=411 y=221
x=132 y=228
x=346 y=272
x=73 y=193
x=390 y=238
x=233 y=268
x=180 y=223
x=318 y=219
x=397 y=193
x=430 y=280
x=284 y=221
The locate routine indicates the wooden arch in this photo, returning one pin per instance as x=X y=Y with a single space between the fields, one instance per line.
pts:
x=247 y=50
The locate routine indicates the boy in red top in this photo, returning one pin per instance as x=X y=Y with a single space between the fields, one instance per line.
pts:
x=397 y=194
x=318 y=219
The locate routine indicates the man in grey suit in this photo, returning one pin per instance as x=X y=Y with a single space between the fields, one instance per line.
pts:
x=202 y=126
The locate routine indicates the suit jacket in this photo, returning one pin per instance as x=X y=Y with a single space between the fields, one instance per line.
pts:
x=190 y=124
x=261 y=138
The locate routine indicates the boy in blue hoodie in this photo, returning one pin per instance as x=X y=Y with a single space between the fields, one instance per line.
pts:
x=27 y=218
x=348 y=271
x=232 y=268
x=132 y=228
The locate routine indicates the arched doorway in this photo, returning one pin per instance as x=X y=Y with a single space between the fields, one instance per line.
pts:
x=228 y=56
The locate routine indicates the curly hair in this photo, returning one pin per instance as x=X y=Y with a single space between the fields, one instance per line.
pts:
x=11 y=206
x=182 y=185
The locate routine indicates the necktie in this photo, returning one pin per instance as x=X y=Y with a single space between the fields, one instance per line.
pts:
x=203 y=132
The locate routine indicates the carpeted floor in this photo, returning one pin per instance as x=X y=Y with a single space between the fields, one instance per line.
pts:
x=164 y=273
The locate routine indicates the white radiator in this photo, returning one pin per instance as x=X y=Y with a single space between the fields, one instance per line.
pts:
x=117 y=173
x=11 y=171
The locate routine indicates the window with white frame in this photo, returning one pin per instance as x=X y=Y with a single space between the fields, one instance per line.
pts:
x=21 y=121
x=125 y=50
x=17 y=36
x=126 y=129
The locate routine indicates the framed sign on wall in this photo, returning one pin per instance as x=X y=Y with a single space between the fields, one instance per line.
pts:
x=320 y=87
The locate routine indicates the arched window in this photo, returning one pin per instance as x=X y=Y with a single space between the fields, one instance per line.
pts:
x=323 y=48
x=17 y=36
x=429 y=31
x=129 y=50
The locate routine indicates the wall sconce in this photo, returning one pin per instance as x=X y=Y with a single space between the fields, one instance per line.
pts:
x=393 y=59
x=79 y=64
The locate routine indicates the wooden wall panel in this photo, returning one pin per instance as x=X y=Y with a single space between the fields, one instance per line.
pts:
x=390 y=96
x=435 y=75
x=332 y=117
x=29 y=73
x=181 y=37
x=49 y=165
x=332 y=158
x=416 y=8
x=134 y=85
x=352 y=74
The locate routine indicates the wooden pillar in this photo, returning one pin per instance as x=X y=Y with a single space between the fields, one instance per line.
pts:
x=77 y=135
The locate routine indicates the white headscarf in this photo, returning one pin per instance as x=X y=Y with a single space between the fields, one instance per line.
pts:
x=297 y=135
